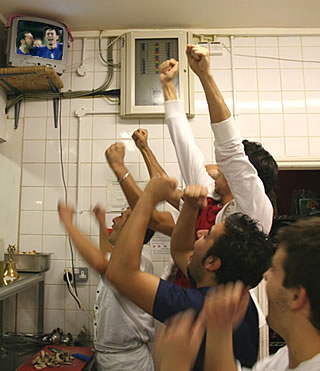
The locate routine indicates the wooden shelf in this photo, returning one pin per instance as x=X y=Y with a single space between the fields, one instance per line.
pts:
x=15 y=80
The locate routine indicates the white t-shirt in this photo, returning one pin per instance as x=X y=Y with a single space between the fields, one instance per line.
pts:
x=279 y=362
x=122 y=331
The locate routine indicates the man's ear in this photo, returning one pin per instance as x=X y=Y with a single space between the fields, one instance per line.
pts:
x=299 y=297
x=212 y=263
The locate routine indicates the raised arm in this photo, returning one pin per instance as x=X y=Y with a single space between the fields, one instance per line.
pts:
x=243 y=180
x=190 y=158
x=160 y=221
x=224 y=309
x=124 y=267
x=104 y=243
x=140 y=137
x=88 y=250
x=183 y=237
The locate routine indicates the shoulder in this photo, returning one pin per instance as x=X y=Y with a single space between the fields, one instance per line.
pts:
x=171 y=299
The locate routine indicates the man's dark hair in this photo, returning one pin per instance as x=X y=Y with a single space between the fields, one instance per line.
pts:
x=264 y=163
x=301 y=241
x=244 y=250
x=147 y=237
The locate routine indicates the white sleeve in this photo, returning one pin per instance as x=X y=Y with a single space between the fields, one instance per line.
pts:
x=245 y=185
x=190 y=158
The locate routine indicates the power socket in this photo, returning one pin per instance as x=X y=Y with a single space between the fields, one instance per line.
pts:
x=80 y=273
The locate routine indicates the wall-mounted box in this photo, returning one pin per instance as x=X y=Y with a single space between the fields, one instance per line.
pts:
x=142 y=52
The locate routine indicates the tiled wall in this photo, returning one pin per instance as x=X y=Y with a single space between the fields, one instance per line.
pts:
x=277 y=103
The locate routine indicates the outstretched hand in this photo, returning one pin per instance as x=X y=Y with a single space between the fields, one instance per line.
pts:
x=140 y=137
x=198 y=58
x=99 y=213
x=65 y=213
x=115 y=154
x=226 y=306
x=168 y=70
x=196 y=196
x=177 y=345
x=161 y=188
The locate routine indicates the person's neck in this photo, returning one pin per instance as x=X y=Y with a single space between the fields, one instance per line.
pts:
x=302 y=347
x=52 y=46
x=226 y=198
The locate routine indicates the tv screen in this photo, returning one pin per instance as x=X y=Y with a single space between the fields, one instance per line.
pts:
x=37 y=41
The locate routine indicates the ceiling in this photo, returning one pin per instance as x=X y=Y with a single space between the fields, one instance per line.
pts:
x=82 y=15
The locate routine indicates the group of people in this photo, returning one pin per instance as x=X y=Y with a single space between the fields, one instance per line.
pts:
x=28 y=45
x=220 y=245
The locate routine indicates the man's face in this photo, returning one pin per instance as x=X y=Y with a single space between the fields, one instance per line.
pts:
x=206 y=239
x=278 y=302
x=51 y=38
x=221 y=185
x=28 y=40
x=118 y=223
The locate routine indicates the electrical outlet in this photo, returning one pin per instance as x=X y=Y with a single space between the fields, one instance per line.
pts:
x=80 y=273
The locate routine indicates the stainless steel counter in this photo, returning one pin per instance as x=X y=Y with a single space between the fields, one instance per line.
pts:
x=25 y=281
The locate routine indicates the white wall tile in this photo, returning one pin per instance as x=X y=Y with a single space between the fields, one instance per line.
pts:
x=53 y=175
x=267 y=41
x=156 y=146
x=98 y=149
x=205 y=146
x=125 y=128
x=104 y=106
x=294 y=102
x=313 y=102
x=53 y=319
x=54 y=133
x=51 y=197
x=269 y=80
x=52 y=224
x=98 y=196
x=310 y=40
x=315 y=146
x=291 y=57
x=289 y=41
x=30 y=242
x=246 y=80
x=54 y=297
x=75 y=320
x=27 y=321
x=247 y=102
x=154 y=127
x=31 y=222
x=297 y=147
x=35 y=128
x=271 y=125
x=100 y=174
x=36 y=108
x=312 y=79
x=54 y=276
x=249 y=125
x=296 y=125
x=83 y=293
x=221 y=61
x=200 y=103
x=292 y=79
x=270 y=102
x=223 y=79
x=55 y=245
x=244 y=41
x=53 y=151
x=31 y=198
x=314 y=125
x=33 y=151
x=82 y=82
x=200 y=126
x=104 y=127
x=274 y=145
x=267 y=57
x=245 y=57
x=311 y=56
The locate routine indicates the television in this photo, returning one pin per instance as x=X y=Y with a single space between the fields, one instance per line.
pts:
x=36 y=41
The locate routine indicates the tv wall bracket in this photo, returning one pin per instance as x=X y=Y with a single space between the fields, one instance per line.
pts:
x=21 y=82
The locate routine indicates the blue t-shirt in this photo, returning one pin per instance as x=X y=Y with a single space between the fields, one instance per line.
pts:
x=172 y=299
x=19 y=51
x=45 y=52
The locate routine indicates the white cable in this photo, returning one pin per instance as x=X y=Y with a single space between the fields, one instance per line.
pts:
x=82 y=306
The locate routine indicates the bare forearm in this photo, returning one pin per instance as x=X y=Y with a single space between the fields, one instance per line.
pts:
x=104 y=243
x=153 y=166
x=183 y=237
x=217 y=107
x=219 y=351
x=88 y=250
x=169 y=91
